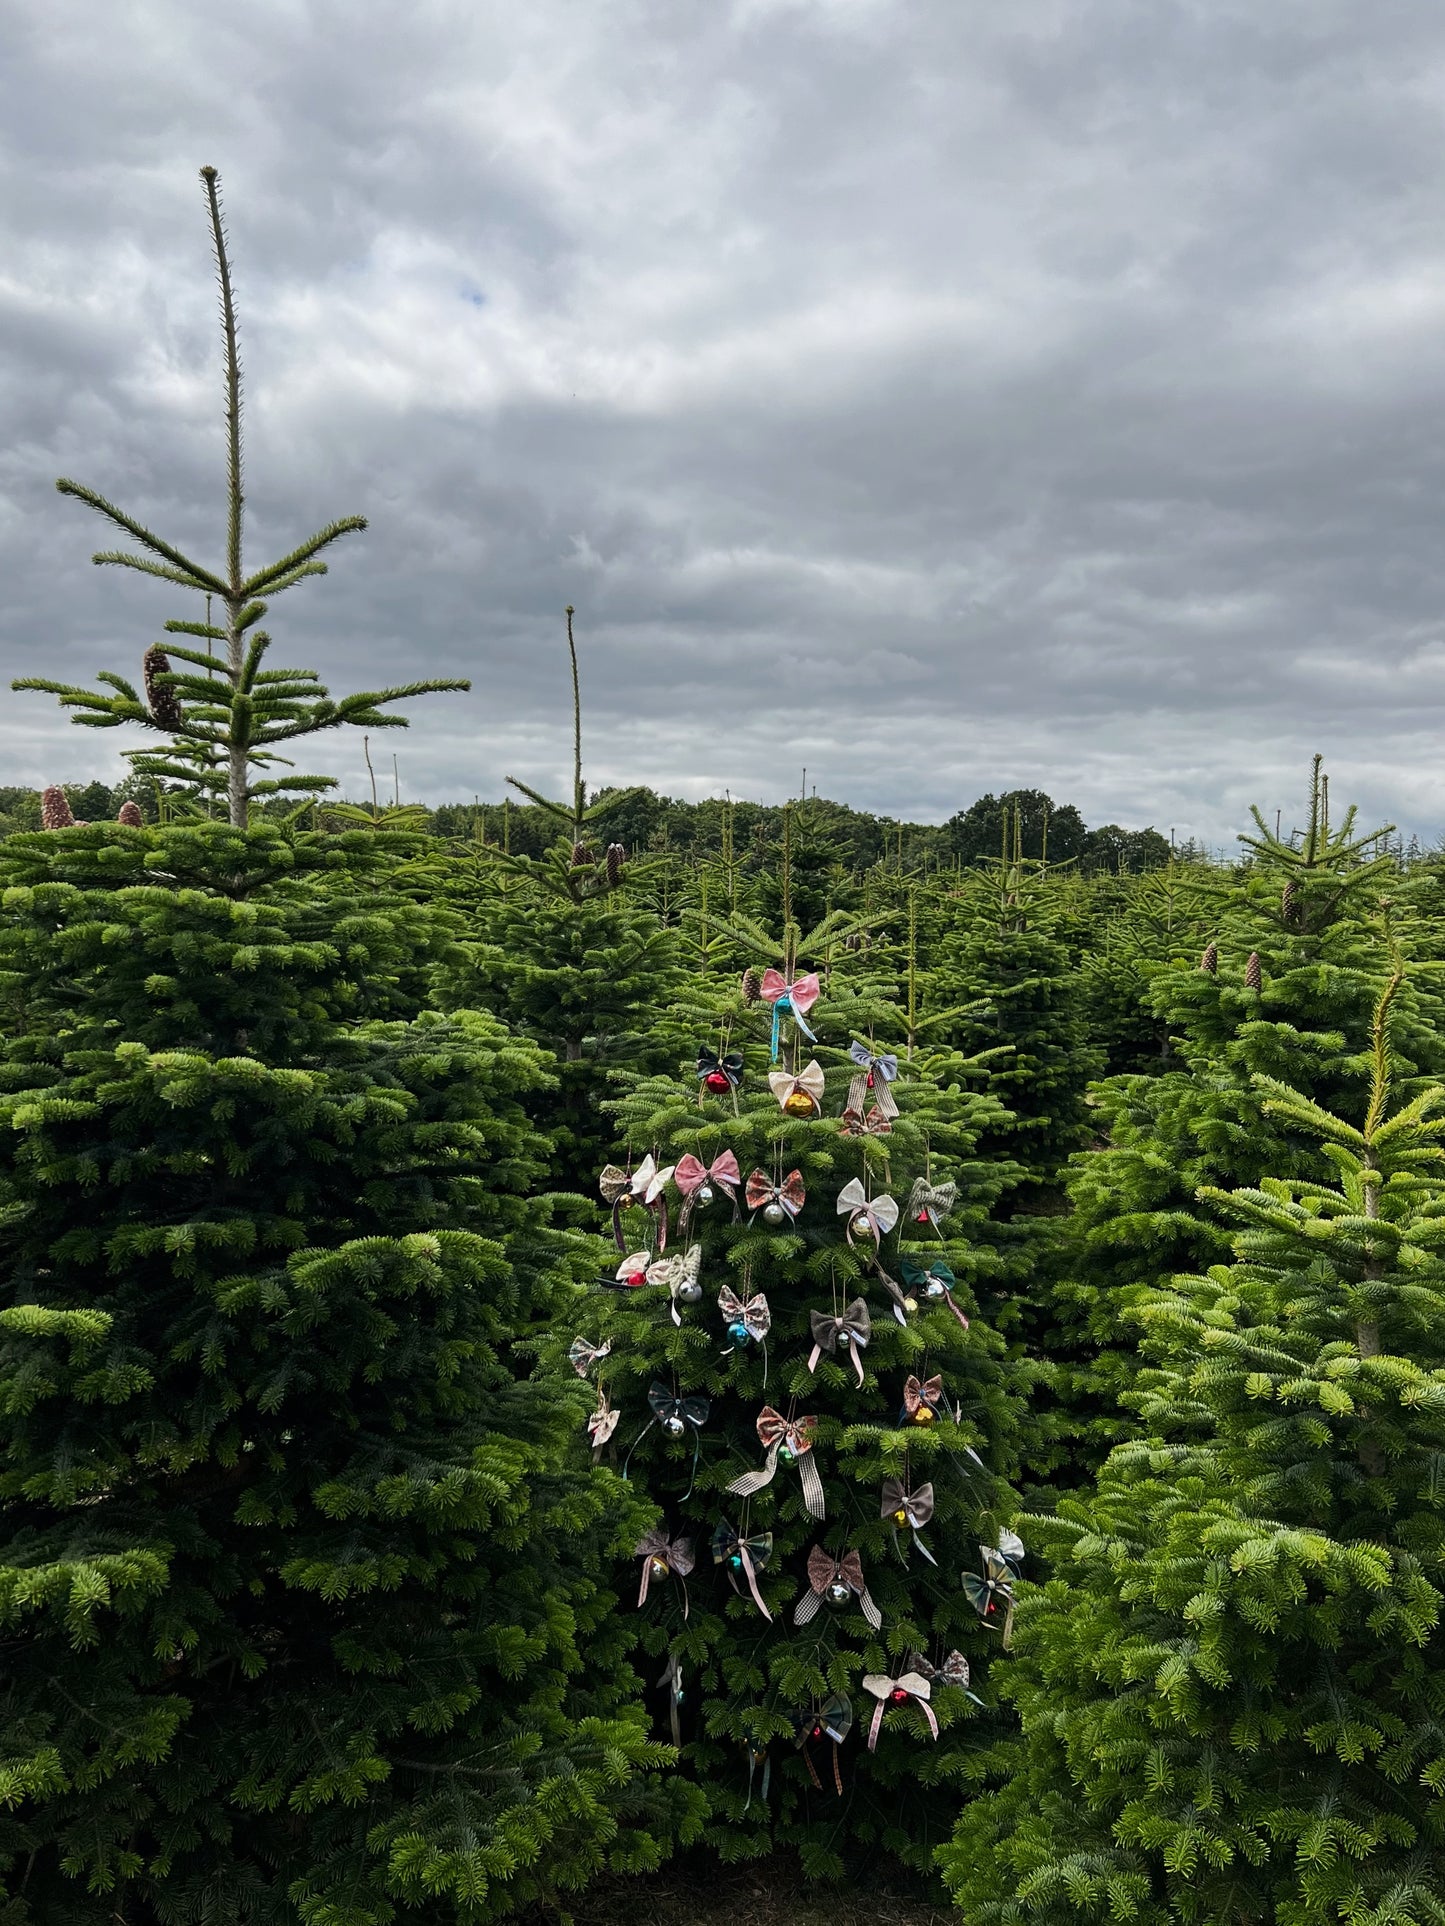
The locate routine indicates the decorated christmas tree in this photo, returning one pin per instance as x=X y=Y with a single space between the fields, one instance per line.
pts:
x=1231 y=1691
x=787 y=1356
x=305 y=1593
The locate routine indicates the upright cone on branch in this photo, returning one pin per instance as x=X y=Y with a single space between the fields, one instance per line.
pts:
x=130 y=815
x=616 y=858
x=161 y=698
x=55 y=812
x=1209 y=962
x=752 y=986
x=1253 y=975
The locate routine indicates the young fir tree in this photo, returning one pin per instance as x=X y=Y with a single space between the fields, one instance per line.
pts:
x=305 y=1603
x=224 y=715
x=764 y=1649
x=1232 y=1692
x=568 y=951
x=1285 y=989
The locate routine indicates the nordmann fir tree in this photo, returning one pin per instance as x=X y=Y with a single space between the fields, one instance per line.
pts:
x=225 y=715
x=305 y=1604
x=1285 y=988
x=1232 y=1692
x=826 y=1473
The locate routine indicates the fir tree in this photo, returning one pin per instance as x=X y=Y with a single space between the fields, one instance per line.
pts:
x=224 y=715
x=305 y=1609
x=1232 y=1693
x=754 y=1694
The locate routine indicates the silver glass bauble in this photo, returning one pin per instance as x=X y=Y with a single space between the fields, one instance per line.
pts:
x=704 y=1193
x=689 y=1291
x=935 y=1289
x=774 y=1213
x=674 y=1426
x=838 y=1594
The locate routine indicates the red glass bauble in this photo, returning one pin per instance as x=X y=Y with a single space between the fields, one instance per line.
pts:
x=898 y=1695
x=716 y=1081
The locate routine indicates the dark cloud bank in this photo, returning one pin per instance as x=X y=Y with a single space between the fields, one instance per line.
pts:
x=941 y=395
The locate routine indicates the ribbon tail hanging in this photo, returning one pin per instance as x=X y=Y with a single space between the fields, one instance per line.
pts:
x=777 y=1038
x=855 y=1354
x=764 y=1343
x=635 y=1443
x=927 y=1710
x=752 y=1578
x=618 y=1239
x=925 y=1552
x=813 y=1356
x=870 y=1609
x=837 y=1774
x=873 y=1728
x=812 y=1486
x=752 y=1481
x=806 y=1609
x=696 y=1449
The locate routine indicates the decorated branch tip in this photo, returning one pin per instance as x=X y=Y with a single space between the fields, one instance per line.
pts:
x=224 y=710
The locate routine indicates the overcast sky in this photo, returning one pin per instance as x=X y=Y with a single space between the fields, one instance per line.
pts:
x=942 y=395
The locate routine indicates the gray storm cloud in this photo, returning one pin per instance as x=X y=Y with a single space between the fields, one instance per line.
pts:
x=944 y=396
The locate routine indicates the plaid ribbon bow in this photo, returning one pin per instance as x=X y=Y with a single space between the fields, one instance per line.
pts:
x=795 y=1435
x=899 y=1691
x=832 y=1721
x=928 y=1202
x=746 y=1555
x=852 y=1330
x=935 y=1283
x=825 y=1570
x=875 y=1073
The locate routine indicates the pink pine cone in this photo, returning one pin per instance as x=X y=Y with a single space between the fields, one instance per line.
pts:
x=55 y=809
x=130 y=815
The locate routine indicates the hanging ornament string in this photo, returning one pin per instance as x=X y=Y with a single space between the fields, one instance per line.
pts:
x=835 y=1582
x=899 y=1691
x=748 y=1555
x=795 y=999
x=696 y=1180
x=674 y=1414
x=850 y=1329
x=794 y=1437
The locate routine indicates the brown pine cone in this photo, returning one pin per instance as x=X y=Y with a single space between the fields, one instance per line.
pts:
x=130 y=815
x=55 y=809
x=1209 y=962
x=1253 y=975
x=752 y=986
x=616 y=857
x=164 y=707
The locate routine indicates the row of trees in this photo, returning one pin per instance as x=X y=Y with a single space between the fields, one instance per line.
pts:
x=516 y=1361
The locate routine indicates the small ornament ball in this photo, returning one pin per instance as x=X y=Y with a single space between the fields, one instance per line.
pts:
x=934 y=1288
x=923 y=1415
x=717 y=1082
x=898 y=1695
x=739 y=1333
x=900 y=1517
x=785 y=1452
x=674 y=1426
x=774 y=1214
x=689 y=1291
x=838 y=1595
x=658 y=1567
x=799 y=1104
x=704 y=1193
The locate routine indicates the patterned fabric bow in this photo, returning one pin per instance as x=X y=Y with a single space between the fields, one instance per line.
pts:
x=746 y=1555
x=795 y=1437
x=762 y=1193
x=871 y=1216
x=695 y=1181
x=800 y=1095
x=909 y=1685
x=832 y=1721
x=582 y=1356
x=826 y=1571
x=674 y=1415
x=748 y=1321
x=858 y=1123
x=797 y=998
x=991 y=1594
x=928 y=1202
x=923 y=1399
x=645 y=1186
x=718 y=1074
x=910 y=1509
x=953 y=1670
x=875 y=1074
x=679 y=1274
x=852 y=1330
x=601 y=1424
x=664 y=1557
x=936 y=1284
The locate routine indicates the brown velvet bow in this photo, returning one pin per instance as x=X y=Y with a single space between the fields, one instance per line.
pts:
x=925 y=1395
x=825 y=1570
x=911 y=1509
x=852 y=1330
x=776 y=1433
x=664 y=1557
